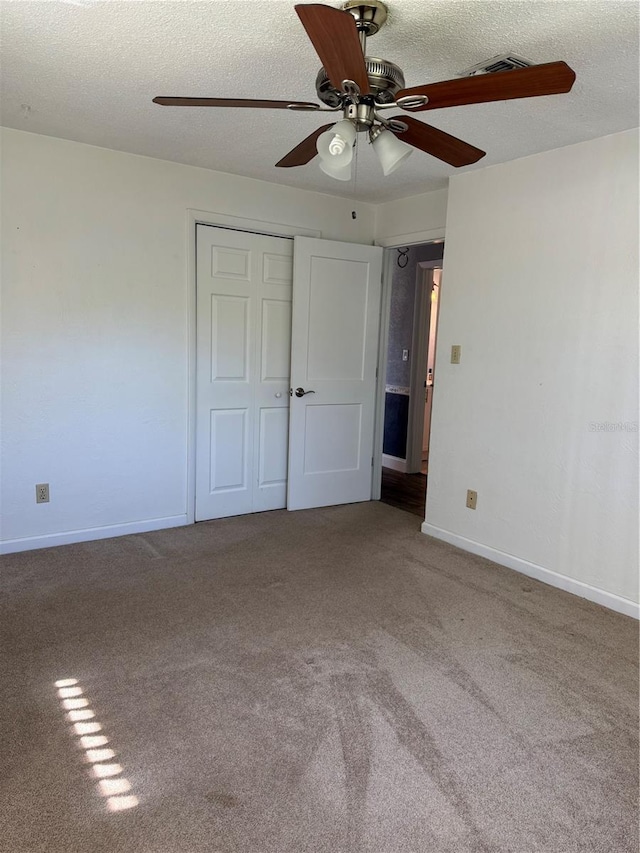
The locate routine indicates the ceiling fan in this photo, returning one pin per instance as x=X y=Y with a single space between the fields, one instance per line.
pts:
x=362 y=88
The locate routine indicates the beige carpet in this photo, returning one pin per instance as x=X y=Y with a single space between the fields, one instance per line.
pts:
x=329 y=681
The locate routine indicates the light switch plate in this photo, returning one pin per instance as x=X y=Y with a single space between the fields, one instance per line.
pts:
x=405 y=355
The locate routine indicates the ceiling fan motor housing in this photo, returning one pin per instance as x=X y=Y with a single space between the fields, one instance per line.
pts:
x=385 y=79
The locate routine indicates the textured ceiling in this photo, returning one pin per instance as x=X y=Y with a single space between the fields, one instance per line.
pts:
x=88 y=70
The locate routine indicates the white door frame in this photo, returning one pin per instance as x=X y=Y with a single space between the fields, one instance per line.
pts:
x=435 y=235
x=237 y=223
x=419 y=353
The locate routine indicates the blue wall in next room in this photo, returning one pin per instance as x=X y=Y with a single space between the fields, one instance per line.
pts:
x=396 y=410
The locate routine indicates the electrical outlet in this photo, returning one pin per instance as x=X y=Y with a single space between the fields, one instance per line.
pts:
x=472 y=499
x=405 y=355
x=455 y=354
x=42 y=493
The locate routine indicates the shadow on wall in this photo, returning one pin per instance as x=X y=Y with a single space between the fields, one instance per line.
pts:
x=398 y=378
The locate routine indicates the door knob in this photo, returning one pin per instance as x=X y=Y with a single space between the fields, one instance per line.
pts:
x=300 y=392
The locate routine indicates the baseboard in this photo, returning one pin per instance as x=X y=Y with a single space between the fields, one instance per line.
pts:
x=394 y=462
x=584 y=590
x=69 y=537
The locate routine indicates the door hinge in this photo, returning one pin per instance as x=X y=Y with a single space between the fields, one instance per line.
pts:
x=372 y=461
x=376 y=372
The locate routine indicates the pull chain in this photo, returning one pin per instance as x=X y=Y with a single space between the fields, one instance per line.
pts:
x=354 y=215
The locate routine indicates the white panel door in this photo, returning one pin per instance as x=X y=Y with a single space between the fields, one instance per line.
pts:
x=334 y=352
x=243 y=316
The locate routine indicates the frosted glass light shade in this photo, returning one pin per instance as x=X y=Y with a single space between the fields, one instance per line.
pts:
x=335 y=145
x=340 y=173
x=391 y=151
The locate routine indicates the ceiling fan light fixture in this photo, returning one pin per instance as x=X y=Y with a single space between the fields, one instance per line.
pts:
x=340 y=173
x=335 y=146
x=360 y=86
x=390 y=150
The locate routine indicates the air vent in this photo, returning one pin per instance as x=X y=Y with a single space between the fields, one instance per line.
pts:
x=503 y=62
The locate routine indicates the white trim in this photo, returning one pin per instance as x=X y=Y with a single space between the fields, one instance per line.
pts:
x=69 y=537
x=217 y=220
x=258 y=226
x=192 y=221
x=584 y=590
x=383 y=346
x=412 y=239
x=394 y=462
x=419 y=355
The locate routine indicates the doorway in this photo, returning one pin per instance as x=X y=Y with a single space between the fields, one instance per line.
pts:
x=409 y=373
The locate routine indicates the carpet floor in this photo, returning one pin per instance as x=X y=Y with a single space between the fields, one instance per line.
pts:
x=327 y=681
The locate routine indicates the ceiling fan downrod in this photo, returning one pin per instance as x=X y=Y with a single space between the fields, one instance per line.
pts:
x=369 y=16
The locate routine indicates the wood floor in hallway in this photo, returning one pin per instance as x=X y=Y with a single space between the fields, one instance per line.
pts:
x=404 y=491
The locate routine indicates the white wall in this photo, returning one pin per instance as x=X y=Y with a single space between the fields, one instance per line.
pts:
x=540 y=288
x=411 y=220
x=94 y=318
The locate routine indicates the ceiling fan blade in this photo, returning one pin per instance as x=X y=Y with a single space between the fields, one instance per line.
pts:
x=305 y=151
x=438 y=143
x=335 y=37
x=235 y=102
x=552 y=78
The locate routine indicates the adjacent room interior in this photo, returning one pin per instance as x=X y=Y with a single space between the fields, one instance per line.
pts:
x=227 y=622
x=408 y=365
